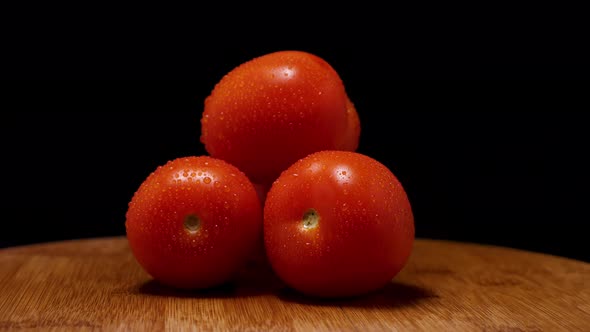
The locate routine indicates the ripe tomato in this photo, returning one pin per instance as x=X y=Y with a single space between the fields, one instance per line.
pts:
x=272 y=110
x=350 y=141
x=194 y=222
x=337 y=223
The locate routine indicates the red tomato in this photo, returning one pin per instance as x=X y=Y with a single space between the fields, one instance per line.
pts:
x=270 y=111
x=350 y=141
x=337 y=223
x=194 y=222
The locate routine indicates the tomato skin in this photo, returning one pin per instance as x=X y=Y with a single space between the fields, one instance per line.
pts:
x=268 y=112
x=365 y=231
x=230 y=228
x=351 y=138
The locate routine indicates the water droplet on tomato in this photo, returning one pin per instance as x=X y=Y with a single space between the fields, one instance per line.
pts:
x=207 y=180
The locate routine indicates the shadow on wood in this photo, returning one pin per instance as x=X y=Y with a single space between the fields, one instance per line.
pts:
x=155 y=288
x=257 y=278
x=394 y=294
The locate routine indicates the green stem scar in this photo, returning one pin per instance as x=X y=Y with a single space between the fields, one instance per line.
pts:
x=311 y=219
x=192 y=223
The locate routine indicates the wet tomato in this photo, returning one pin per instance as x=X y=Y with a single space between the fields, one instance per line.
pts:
x=194 y=222
x=351 y=139
x=274 y=109
x=337 y=223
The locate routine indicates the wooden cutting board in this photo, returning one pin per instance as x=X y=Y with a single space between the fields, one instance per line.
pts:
x=96 y=284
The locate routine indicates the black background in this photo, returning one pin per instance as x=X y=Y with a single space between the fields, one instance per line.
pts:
x=484 y=127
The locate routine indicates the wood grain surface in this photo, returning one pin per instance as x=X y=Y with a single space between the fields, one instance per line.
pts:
x=96 y=284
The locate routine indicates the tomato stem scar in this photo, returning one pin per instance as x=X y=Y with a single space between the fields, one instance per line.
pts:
x=311 y=218
x=192 y=223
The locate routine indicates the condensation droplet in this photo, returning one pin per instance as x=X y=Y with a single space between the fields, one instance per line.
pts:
x=207 y=180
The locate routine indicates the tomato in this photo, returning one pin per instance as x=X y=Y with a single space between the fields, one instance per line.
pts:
x=194 y=222
x=274 y=109
x=337 y=224
x=350 y=141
